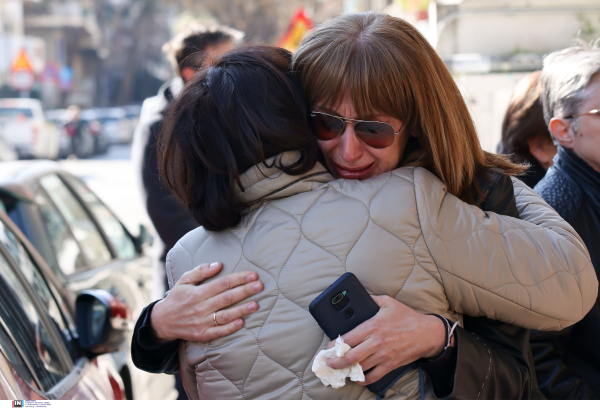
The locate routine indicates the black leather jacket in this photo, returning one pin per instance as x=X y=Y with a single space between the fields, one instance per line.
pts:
x=491 y=359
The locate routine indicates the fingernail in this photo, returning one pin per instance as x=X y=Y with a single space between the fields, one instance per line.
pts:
x=257 y=287
x=250 y=277
x=239 y=323
x=213 y=265
x=252 y=306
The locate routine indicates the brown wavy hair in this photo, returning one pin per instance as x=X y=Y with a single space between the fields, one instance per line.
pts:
x=390 y=68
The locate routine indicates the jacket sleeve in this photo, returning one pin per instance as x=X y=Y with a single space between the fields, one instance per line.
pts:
x=533 y=276
x=147 y=353
x=487 y=352
x=494 y=356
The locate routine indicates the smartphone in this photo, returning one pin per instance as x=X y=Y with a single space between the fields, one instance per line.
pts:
x=343 y=306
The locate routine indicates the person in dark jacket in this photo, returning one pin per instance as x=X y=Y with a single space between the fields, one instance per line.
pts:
x=568 y=362
x=524 y=131
x=190 y=50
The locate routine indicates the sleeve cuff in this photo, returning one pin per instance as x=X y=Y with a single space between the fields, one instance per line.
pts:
x=145 y=335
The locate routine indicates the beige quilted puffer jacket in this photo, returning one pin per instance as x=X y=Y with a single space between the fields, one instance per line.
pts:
x=403 y=236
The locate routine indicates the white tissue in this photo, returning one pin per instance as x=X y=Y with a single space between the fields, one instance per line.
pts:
x=336 y=378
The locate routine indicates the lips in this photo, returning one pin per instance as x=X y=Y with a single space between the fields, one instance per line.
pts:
x=354 y=173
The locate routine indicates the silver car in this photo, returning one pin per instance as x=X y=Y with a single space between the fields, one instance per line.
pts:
x=25 y=127
x=87 y=246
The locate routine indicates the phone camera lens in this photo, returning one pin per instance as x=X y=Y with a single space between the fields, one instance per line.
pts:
x=339 y=301
x=348 y=313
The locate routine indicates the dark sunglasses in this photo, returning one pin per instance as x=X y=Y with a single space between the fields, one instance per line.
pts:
x=377 y=135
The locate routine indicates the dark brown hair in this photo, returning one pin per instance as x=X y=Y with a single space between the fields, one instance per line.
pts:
x=524 y=119
x=245 y=108
x=390 y=68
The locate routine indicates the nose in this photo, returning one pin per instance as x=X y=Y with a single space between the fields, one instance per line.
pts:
x=352 y=147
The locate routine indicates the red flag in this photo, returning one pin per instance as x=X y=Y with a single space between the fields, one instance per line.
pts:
x=299 y=25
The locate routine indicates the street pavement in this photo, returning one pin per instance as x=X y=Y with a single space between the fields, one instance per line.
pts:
x=111 y=176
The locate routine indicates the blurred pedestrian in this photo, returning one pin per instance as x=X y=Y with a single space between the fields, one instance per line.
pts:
x=568 y=362
x=525 y=134
x=74 y=130
x=189 y=51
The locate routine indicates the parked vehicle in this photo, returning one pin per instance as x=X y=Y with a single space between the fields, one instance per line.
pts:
x=89 y=248
x=49 y=344
x=133 y=114
x=116 y=127
x=25 y=127
x=7 y=151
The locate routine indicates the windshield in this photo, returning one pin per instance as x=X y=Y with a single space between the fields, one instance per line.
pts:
x=15 y=113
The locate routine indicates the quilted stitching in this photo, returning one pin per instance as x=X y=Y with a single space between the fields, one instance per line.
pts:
x=281 y=260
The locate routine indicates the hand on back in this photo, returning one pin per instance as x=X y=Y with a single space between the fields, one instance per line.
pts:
x=187 y=313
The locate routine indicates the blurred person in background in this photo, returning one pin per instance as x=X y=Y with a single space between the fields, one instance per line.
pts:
x=525 y=134
x=189 y=51
x=568 y=362
x=75 y=129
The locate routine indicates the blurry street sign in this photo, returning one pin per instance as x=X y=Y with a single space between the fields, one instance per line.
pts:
x=21 y=63
x=50 y=73
x=65 y=79
x=21 y=76
x=299 y=25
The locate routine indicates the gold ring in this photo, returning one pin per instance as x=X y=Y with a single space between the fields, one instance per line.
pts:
x=215 y=318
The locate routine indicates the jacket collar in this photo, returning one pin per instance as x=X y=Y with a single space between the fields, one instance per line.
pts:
x=579 y=173
x=266 y=182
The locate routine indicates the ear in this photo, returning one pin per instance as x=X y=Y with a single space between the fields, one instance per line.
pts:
x=542 y=148
x=561 y=130
x=188 y=73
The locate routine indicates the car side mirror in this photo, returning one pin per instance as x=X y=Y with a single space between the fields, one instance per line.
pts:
x=143 y=239
x=103 y=322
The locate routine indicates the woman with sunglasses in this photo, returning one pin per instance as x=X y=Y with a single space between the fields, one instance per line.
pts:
x=237 y=149
x=418 y=132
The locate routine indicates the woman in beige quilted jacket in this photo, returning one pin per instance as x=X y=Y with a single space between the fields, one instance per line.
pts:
x=237 y=149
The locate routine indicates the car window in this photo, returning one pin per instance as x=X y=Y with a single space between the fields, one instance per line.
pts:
x=78 y=219
x=21 y=319
x=67 y=251
x=12 y=353
x=113 y=229
x=49 y=295
x=15 y=113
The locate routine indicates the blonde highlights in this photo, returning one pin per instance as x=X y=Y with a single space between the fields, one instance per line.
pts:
x=390 y=68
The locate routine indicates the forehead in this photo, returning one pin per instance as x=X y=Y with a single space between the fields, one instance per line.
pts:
x=344 y=106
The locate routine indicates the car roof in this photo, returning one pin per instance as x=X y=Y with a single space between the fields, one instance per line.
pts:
x=20 y=179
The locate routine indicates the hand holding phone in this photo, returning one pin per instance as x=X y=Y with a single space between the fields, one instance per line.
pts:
x=343 y=306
